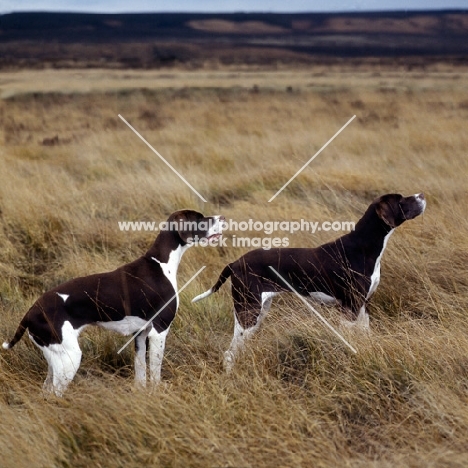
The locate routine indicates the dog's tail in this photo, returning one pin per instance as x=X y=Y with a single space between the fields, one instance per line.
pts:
x=225 y=274
x=19 y=333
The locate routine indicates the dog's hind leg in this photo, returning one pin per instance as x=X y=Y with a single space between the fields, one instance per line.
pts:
x=63 y=359
x=240 y=335
x=63 y=365
x=157 y=344
x=249 y=310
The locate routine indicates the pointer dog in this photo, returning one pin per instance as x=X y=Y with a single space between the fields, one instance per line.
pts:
x=344 y=272
x=123 y=300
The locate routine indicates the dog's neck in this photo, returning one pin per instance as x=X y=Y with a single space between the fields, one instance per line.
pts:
x=167 y=246
x=370 y=234
x=371 y=225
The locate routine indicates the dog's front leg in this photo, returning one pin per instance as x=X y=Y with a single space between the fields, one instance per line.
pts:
x=157 y=342
x=140 y=357
x=362 y=321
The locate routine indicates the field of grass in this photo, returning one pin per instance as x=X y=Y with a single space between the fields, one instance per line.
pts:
x=71 y=170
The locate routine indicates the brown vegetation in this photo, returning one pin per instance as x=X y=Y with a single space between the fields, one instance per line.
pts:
x=71 y=170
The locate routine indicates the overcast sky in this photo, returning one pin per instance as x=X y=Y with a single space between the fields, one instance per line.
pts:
x=126 y=6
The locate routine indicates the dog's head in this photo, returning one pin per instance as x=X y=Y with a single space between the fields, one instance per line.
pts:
x=394 y=209
x=191 y=226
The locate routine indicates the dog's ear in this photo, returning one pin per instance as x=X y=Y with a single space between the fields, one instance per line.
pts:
x=188 y=224
x=388 y=210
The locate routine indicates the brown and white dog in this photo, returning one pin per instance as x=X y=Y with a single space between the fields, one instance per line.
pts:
x=344 y=272
x=123 y=300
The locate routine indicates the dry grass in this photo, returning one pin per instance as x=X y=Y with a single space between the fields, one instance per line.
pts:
x=298 y=397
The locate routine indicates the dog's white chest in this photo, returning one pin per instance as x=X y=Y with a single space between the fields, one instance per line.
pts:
x=375 y=277
x=375 y=280
x=170 y=272
x=169 y=269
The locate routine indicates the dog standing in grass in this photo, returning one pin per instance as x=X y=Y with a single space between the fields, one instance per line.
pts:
x=124 y=300
x=344 y=272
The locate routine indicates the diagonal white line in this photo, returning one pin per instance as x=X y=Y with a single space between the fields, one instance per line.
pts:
x=315 y=312
x=162 y=159
x=312 y=158
x=161 y=309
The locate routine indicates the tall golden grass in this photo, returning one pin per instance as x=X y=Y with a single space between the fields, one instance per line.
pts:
x=297 y=397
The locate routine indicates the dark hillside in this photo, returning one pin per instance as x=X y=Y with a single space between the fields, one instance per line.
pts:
x=154 y=40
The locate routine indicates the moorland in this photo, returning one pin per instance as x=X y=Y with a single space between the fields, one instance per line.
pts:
x=71 y=170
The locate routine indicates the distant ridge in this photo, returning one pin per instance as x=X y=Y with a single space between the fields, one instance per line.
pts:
x=162 y=39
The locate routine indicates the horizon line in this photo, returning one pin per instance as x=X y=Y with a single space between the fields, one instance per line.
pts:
x=242 y=12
